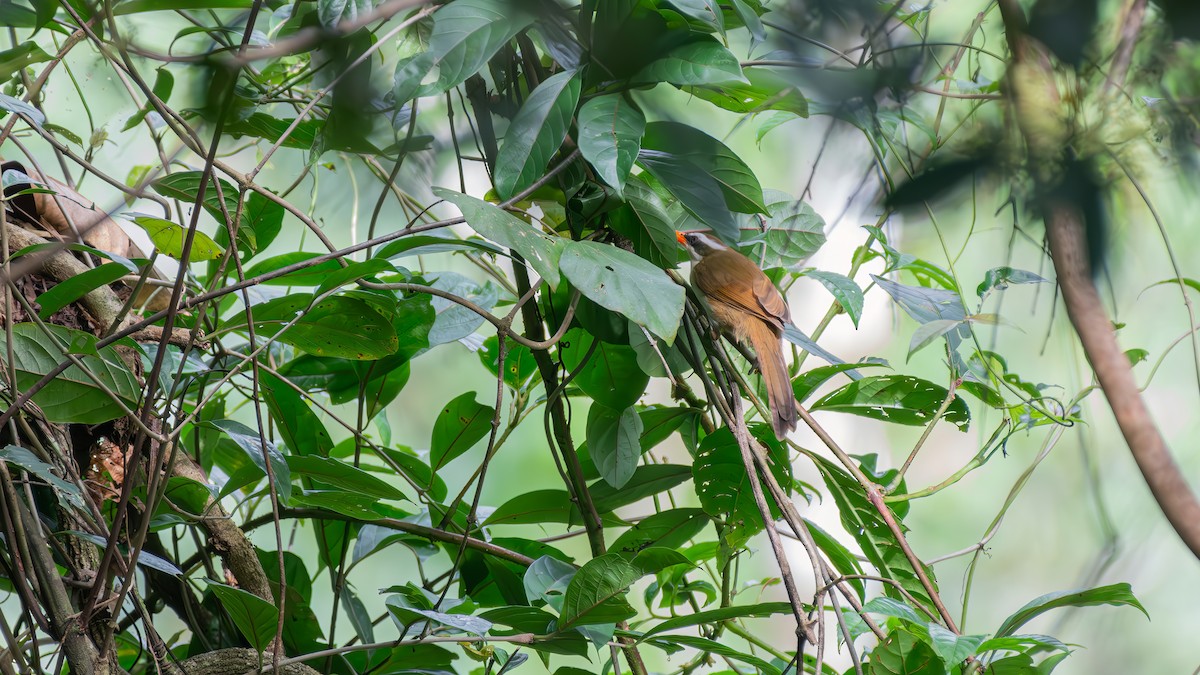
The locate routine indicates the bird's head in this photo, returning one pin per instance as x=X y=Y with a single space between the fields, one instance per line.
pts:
x=700 y=244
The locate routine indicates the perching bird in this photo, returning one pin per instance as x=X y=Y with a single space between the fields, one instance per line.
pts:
x=751 y=309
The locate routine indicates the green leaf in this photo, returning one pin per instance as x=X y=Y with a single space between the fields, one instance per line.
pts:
x=903 y=653
x=546 y=580
x=807 y=382
x=707 y=12
x=540 y=250
x=169 y=237
x=647 y=480
x=66 y=292
x=704 y=61
x=466 y=34
x=839 y=556
x=13 y=61
x=251 y=443
x=763 y=90
x=794 y=231
x=256 y=618
x=72 y=396
x=899 y=399
x=301 y=429
x=893 y=608
x=998 y=279
x=719 y=615
x=844 y=290
x=723 y=486
x=927 y=333
x=624 y=283
x=645 y=221
x=139 y=6
x=272 y=129
x=460 y=425
x=338 y=326
x=519 y=363
x=713 y=647
x=862 y=521
x=610 y=136
x=454 y=321
x=1115 y=594
x=752 y=22
x=951 y=647
x=536 y=133
x=672 y=529
x=185 y=186
x=164 y=82
x=342 y=475
x=702 y=152
x=333 y=12
x=613 y=441
x=28 y=461
x=596 y=593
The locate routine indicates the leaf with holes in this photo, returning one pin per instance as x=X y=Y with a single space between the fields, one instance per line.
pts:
x=624 y=283
x=723 y=486
x=899 y=399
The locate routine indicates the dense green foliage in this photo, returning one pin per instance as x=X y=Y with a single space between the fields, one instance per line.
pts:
x=522 y=182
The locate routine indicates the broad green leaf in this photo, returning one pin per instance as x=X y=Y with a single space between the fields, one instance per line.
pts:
x=671 y=528
x=1115 y=594
x=723 y=486
x=844 y=290
x=164 y=83
x=28 y=461
x=251 y=443
x=702 y=152
x=262 y=125
x=256 y=618
x=714 y=647
x=927 y=333
x=349 y=504
x=704 y=61
x=342 y=475
x=13 y=61
x=185 y=186
x=72 y=396
x=438 y=242
x=466 y=34
x=536 y=133
x=610 y=136
x=751 y=21
x=648 y=480
x=894 y=608
x=169 y=237
x=454 y=321
x=301 y=429
x=899 y=399
x=610 y=376
x=333 y=12
x=862 y=521
x=719 y=615
x=1022 y=643
x=596 y=594
x=998 y=279
x=145 y=558
x=139 y=6
x=624 y=283
x=763 y=90
x=540 y=250
x=338 y=326
x=903 y=653
x=66 y=292
x=644 y=221
x=519 y=363
x=839 y=556
x=460 y=425
x=613 y=441
x=794 y=231
x=953 y=648
x=547 y=579
x=263 y=218
x=707 y=12
x=698 y=193
x=807 y=382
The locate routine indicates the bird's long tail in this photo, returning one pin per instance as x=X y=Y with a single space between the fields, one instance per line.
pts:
x=769 y=349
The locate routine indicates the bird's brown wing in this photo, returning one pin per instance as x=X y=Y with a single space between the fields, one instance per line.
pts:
x=723 y=277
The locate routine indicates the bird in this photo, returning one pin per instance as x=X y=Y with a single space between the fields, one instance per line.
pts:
x=748 y=307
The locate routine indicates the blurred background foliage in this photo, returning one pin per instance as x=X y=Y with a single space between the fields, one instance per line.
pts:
x=866 y=153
